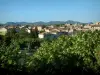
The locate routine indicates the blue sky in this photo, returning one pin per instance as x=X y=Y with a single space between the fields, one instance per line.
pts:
x=49 y=10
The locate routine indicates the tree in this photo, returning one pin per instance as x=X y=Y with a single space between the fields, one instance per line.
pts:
x=1 y=39
x=34 y=33
x=67 y=54
x=11 y=32
x=78 y=54
x=23 y=33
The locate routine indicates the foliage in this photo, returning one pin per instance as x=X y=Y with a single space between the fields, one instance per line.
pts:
x=67 y=53
x=79 y=53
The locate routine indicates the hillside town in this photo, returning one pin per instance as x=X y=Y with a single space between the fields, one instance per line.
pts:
x=52 y=31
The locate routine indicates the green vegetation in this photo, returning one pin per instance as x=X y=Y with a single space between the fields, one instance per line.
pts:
x=22 y=53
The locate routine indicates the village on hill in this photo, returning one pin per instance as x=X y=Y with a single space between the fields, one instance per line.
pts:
x=52 y=31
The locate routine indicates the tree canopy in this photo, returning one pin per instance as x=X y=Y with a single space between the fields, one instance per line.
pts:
x=78 y=54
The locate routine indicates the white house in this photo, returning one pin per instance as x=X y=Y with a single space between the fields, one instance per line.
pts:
x=47 y=30
x=96 y=27
x=98 y=23
x=41 y=35
x=47 y=35
x=51 y=26
x=70 y=32
x=29 y=27
x=28 y=30
x=3 y=31
x=88 y=26
x=39 y=28
x=21 y=27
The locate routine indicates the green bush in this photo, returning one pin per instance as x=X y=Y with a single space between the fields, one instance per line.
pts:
x=67 y=52
x=79 y=54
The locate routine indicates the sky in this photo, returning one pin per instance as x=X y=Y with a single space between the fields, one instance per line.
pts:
x=49 y=10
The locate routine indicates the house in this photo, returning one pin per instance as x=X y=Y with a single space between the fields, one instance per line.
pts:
x=77 y=28
x=21 y=27
x=70 y=32
x=54 y=30
x=29 y=27
x=88 y=26
x=39 y=28
x=63 y=30
x=41 y=35
x=28 y=30
x=33 y=28
x=96 y=27
x=62 y=27
x=98 y=23
x=47 y=35
x=3 y=31
x=51 y=26
x=12 y=26
x=46 y=29
x=68 y=24
x=85 y=29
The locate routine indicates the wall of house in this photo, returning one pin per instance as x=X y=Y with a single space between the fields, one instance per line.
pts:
x=3 y=31
x=41 y=36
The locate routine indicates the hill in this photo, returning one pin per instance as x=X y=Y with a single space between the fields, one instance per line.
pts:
x=45 y=23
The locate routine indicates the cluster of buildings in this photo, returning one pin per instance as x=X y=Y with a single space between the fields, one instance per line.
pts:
x=53 y=31
x=67 y=29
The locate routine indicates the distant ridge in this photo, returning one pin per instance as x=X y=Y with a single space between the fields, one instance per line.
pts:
x=46 y=23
